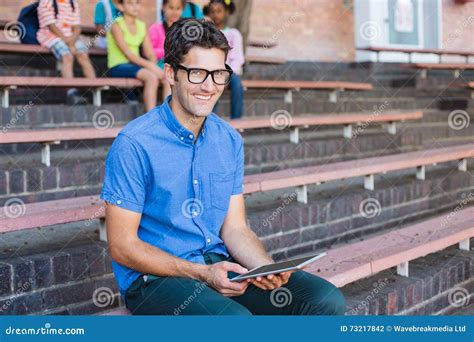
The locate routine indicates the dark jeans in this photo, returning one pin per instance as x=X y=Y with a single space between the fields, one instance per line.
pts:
x=236 y=97
x=304 y=294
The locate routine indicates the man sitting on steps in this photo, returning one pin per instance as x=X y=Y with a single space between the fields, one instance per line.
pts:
x=176 y=220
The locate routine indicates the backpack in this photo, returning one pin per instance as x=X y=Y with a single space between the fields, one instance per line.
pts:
x=29 y=23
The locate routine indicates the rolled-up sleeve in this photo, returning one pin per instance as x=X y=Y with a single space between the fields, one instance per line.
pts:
x=126 y=175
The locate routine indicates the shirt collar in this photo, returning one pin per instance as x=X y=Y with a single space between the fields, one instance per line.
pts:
x=175 y=126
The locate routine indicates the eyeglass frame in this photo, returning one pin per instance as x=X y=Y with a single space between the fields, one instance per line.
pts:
x=188 y=71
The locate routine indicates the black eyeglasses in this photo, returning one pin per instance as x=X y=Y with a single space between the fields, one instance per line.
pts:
x=198 y=76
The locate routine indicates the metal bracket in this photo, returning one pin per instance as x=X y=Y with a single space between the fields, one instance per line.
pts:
x=402 y=269
x=98 y=95
x=46 y=152
x=302 y=194
x=295 y=135
x=347 y=131
x=369 y=182
x=420 y=173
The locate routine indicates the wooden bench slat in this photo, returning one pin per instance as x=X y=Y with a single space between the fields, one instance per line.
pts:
x=38 y=49
x=361 y=167
x=277 y=84
x=57 y=134
x=38 y=81
x=446 y=66
x=66 y=134
x=417 y=50
x=349 y=263
x=83 y=208
x=329 y=119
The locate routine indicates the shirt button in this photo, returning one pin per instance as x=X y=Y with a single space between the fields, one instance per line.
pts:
x=195 y=182
x=195 y=213
x=208 y=240
x=190 y=136
x=182 y=138
x=119 y=202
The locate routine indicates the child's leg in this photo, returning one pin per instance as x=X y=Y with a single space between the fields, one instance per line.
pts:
x=150 y=88
x=236 y=97
x=67 y=66
x=62 y=53
x=84 y=60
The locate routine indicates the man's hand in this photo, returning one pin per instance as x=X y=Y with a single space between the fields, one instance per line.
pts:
x=272 y=281
x=216 y=276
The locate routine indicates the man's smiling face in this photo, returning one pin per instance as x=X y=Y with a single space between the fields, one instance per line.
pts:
x=198 y=99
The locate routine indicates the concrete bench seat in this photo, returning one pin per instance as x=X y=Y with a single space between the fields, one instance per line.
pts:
x=358 y=260
x=97 y=85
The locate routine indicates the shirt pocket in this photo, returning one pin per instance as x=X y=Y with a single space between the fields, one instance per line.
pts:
x=221 y=189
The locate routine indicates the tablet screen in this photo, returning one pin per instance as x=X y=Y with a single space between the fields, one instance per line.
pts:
x=278 y=266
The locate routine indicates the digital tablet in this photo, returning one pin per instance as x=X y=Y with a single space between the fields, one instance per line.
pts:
x=278 y=267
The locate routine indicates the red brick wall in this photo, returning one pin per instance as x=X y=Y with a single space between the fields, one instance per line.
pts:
x=458 y=25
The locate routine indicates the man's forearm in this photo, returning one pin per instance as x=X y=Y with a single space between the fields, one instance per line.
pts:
x=246 y=248
x=149 y=259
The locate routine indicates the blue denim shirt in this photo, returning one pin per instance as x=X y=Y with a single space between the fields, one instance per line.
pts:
x=182 y=188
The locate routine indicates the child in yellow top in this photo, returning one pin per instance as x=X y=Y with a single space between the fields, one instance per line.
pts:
x=124 y=40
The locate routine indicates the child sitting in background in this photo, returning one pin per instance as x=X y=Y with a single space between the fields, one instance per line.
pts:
x=172 y=11
x=219 y=11
x=104 y=15
x=60 y=33
x=124 y=40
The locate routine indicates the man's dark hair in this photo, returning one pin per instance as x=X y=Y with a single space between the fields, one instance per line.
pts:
x=188 y=33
